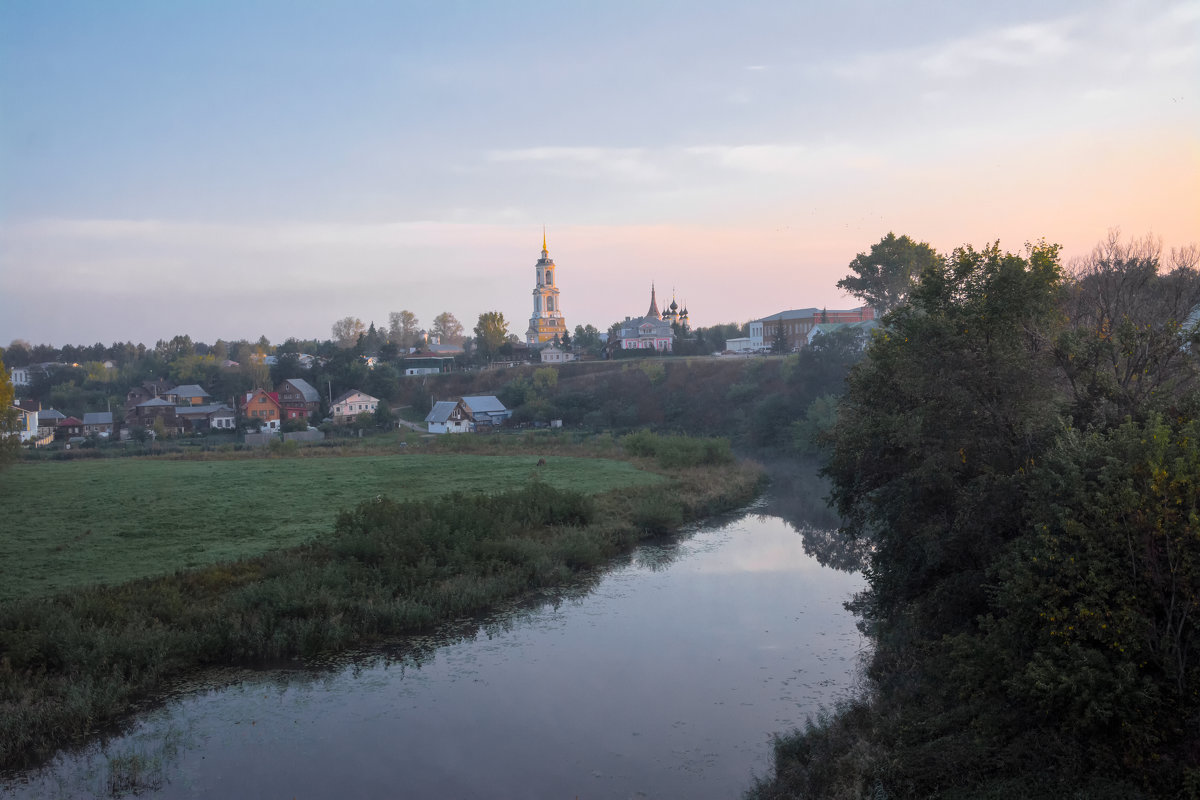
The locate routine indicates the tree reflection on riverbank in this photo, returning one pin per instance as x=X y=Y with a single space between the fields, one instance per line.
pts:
x=797 y=495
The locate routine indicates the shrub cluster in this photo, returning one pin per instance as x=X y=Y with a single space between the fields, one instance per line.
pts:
x=674 y=452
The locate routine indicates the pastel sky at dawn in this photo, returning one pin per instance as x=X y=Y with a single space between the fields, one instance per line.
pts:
x=237 y=169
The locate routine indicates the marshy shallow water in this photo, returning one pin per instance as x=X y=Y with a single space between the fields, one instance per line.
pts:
x=663 y=677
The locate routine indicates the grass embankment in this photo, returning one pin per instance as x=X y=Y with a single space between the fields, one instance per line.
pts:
x=81 y=659
x=79 y=523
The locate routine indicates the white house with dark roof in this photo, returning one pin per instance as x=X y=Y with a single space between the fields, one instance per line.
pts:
x=448 y=416
x=466 y=414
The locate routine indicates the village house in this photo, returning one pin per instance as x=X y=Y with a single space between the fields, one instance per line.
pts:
x=466 y=414
x=98 y=423
x=68 y=427
x=485 y=410
x=352 y=403
x=263 y=406
x=145 y=414
x=427 y=365
x=298 y=398
x=20 y=377
x=197 y=419
x=448 y=416
x=27 y=424
x=47 y=421
x=553 y=354
x=188 y=395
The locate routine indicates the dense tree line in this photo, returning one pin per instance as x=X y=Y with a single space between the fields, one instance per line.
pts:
x=1019 y=452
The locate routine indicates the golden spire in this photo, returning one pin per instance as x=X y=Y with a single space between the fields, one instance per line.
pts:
x=544 y=239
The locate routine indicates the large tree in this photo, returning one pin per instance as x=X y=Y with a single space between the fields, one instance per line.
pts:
x=1133 y=331
x=402 y=328
x=491 y=331
x=347 y=330
x=447 y=327
x=884 y=277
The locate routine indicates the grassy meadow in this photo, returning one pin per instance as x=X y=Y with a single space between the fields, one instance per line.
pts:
x=77 y=523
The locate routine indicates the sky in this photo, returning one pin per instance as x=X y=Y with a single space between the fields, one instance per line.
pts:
x=239 y=169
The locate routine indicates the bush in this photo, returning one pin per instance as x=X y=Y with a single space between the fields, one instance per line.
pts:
x=654 y=515
x=673 y=452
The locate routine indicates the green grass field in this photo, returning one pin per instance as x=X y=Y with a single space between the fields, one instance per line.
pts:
x=69 y=524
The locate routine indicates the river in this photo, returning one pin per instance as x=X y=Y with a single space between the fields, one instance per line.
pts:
x=662 y=678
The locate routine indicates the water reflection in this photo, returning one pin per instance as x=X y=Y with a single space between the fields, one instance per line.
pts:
x=663 y=677
x=798 y=495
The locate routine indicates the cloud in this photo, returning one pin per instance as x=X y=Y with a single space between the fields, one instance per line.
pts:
x=785 y=158
x=622 y=163
x=1121 y=39
x=1018 y=46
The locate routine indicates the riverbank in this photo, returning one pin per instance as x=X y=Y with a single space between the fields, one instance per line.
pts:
x=82 y=659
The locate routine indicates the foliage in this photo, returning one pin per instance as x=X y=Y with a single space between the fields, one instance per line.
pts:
x=1125 y=351
x=1034 y=568
x=9 y=440
x=345 y=331
x=673 y=452
x=587 y=339
x=447 y=327
x=383 y=417
x=491 y=331
x=884 y=276
x=545 y=378
x=1094 y=617
x=779 y=342
x=403 y=328
x=811 y=432
x=654 y=370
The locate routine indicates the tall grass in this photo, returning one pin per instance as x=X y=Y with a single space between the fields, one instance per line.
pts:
x=74 y=524
x=78 y=660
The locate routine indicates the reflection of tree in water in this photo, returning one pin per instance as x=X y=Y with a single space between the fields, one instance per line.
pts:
x=797 y=495
x=657 y=557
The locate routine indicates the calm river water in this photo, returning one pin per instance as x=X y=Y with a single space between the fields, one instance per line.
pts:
x=664 y=678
